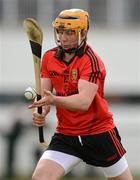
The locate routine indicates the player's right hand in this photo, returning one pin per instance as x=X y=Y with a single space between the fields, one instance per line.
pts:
x=39 y=119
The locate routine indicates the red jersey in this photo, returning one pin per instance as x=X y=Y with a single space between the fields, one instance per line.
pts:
x=86 y=65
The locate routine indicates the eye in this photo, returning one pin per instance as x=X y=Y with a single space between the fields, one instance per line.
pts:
x=70 y=32
x=60 y=31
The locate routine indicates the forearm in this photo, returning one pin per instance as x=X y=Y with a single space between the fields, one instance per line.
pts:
x=46 y=84
x=73 y=102
x=81 y=101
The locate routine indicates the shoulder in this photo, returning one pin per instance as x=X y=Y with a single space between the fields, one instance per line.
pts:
x=48 y=56
x=51 y=52
x=92 y=56
x=91 y=53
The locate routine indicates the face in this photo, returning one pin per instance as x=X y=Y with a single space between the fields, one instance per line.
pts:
x=68 y=38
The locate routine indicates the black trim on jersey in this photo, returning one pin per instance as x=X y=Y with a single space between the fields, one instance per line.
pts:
x=94 y=65
x=59 y=53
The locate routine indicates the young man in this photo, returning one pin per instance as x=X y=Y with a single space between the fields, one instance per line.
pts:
x=85 y=130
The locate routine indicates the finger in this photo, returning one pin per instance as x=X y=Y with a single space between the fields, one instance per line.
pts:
x=38 y=116
x=39 y=123
x=47 y=92
x=37 y=104
x=45 y=110
x=34 y=110
x=39 y=119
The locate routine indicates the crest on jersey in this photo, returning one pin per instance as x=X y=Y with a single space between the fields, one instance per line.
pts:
x=74 y=74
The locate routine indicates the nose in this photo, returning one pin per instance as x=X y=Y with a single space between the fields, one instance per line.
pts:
x=63 y=36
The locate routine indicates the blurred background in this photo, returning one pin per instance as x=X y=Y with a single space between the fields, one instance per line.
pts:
x=114 y=34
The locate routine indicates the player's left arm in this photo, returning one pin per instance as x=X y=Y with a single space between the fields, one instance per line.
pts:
x=80 y=101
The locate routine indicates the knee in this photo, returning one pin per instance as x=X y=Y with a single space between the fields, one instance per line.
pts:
x=35 y=177
x=38 y=176
x=49 y=176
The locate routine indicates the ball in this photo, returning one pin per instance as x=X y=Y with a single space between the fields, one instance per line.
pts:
x=30 y=93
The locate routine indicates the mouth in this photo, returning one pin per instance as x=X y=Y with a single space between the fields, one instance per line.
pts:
x=66 y=46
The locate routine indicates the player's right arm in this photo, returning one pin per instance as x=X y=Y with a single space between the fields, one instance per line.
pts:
x=39 y=119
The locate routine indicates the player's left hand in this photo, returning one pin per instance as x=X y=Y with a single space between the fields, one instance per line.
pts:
x=46 y=100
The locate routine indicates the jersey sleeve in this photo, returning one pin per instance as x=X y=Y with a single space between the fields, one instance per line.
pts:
x=44 y=69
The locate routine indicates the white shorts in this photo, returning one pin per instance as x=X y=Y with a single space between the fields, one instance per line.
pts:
x=68 y=162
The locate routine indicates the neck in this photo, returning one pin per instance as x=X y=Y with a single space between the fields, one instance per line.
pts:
x=68 y=57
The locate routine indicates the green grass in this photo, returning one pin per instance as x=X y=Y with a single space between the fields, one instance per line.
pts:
x=84 y=178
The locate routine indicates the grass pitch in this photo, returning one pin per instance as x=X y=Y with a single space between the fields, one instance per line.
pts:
x=76 y=178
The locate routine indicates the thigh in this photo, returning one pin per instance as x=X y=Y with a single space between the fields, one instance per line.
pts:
x=47 y=169
x=118 y=171
x=125 y=175
x=65 y=161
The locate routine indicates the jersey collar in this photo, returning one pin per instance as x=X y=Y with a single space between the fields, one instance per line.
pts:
x=80 y=52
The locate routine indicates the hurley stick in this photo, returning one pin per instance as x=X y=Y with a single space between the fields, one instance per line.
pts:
x=35 y=36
